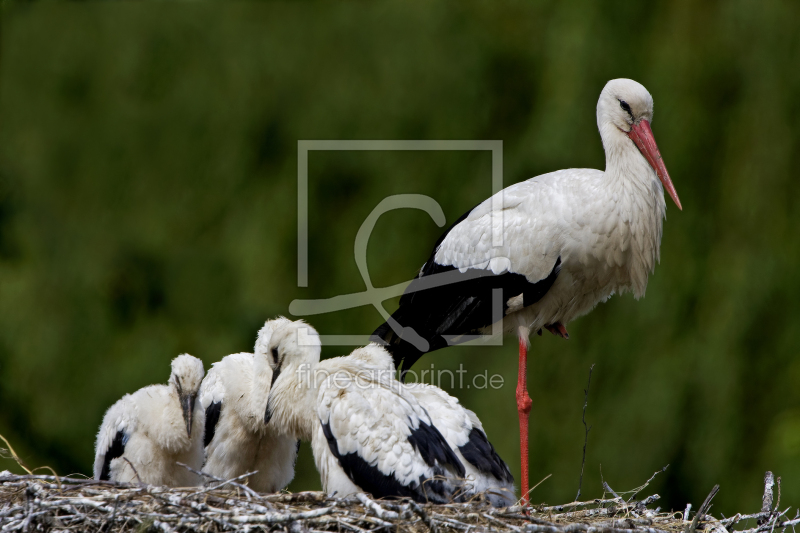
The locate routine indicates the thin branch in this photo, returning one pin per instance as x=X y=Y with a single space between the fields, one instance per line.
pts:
x=691 y=528
x=134 y=469
x=609 y=489
x=424 y=517
x=15 y=456
x=245 y=488
x=646 y=483
x=587 y=428
x=527 y=497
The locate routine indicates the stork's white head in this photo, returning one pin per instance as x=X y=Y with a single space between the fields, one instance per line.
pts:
x=294 y=351
x=292 y=344
x=623 y=103
x=624 y=113
x=262 y=346
x=186 y=377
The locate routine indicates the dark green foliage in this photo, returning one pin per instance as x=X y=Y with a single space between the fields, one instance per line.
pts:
x=148 y=171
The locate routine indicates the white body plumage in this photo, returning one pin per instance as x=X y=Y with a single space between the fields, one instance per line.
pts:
x=367 y=433
x=234 y=398
x=605 y=227
x=486 y=472
x=145 y=434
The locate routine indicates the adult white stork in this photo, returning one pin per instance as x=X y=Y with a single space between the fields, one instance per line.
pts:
x=145 y=434
x=368 y=434
x=234 y=398
x=570 y=239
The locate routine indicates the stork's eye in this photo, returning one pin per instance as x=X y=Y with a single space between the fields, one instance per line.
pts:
x=275 y=354
x=624 y=105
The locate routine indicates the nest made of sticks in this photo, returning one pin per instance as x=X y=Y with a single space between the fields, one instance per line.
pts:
x=53 y=503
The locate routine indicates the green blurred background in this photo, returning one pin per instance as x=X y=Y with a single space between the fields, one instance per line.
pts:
x=148 y=181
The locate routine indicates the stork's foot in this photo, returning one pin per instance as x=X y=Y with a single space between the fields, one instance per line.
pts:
x=558 y=330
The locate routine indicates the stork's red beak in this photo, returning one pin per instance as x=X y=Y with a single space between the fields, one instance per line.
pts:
x=642 y=136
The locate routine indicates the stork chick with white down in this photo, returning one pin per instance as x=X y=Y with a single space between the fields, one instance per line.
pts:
x=367 y=433
x=556 y=245
x=486 y=473
x=145 y=434
x=237 y=441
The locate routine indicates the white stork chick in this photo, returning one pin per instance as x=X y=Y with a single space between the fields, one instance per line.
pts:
x=367 y=433
x=569 y=240
x=486 y=472
x=145 y=434
x=237 y=441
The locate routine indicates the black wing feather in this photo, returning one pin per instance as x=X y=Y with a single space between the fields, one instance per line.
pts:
x=212 y=417
x=116 y=449
x=433 y=449
x=444 y=303
x=369 y=479
x=480 y=453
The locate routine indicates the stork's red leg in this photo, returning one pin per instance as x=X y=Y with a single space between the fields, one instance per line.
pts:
x=523 y=408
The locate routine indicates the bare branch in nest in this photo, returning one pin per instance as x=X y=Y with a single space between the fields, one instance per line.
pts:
x=609 y=489
x=701 y=512
x=586 y=428
x=647 y=483
x=223 y=482
x=766 y=500
x=130 y=464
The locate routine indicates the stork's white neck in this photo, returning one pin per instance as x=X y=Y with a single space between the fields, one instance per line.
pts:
x=293 y=400
x=262 y=378
x=639 y=196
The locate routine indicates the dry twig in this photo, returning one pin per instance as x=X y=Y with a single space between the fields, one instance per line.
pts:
x=586 y=428
x=701 y=512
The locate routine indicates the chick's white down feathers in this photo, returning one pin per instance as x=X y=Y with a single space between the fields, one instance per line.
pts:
x=146 y=432
x=236 y=391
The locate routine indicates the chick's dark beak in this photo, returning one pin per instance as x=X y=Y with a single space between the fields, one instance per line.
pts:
x=275 y=374
x=187 y=406
x=268 y=413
